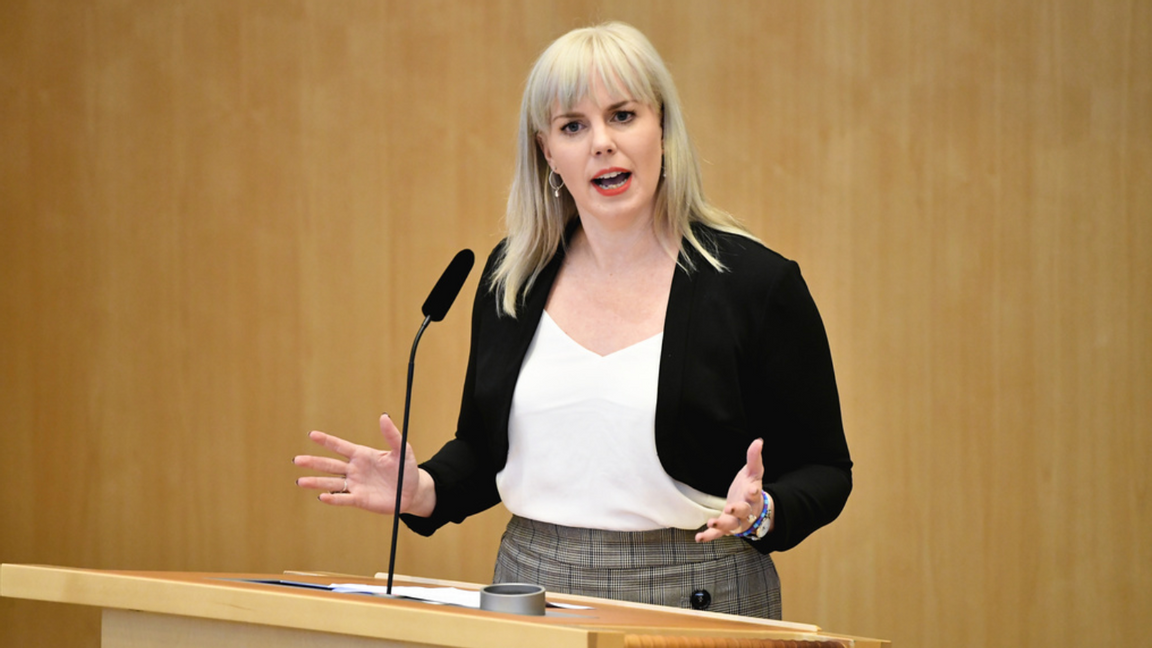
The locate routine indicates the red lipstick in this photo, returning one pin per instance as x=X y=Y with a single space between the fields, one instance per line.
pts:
x=613 y=181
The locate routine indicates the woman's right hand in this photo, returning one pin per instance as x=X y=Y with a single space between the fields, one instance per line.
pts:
x=366 y=478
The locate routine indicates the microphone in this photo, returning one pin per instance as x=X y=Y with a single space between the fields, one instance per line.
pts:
x=449 y=285
x=434 y=309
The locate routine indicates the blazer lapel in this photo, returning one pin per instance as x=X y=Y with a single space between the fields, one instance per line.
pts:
x=672 y=353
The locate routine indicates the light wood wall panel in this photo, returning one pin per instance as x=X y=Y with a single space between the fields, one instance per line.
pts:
x=218 y=221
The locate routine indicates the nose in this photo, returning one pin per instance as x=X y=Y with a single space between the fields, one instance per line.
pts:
x=602 y=142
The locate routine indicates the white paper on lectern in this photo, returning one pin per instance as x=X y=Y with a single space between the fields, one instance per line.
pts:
x=443 y=595
x=440 y=595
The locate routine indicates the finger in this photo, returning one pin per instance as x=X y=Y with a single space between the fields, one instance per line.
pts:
x=718 y=527
x=337 y=499
x=725 y=523
x=739 y=511
x=322 y=464
x=341 y=447
x=754 y=498
x=708 y=535
x=326 y=484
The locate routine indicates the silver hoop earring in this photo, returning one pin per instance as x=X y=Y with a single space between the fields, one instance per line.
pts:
x=555 y=187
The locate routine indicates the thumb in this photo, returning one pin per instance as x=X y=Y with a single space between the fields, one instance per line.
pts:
x=755 y=460
x=391 y=435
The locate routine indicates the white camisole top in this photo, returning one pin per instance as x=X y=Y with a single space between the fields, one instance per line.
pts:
x=582 y=441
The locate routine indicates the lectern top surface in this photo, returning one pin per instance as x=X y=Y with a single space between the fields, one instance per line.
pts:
x=308 y=604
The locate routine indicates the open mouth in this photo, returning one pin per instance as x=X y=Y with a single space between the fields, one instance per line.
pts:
x=612 y=182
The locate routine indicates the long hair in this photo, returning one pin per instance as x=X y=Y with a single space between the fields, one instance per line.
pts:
x=620 y=57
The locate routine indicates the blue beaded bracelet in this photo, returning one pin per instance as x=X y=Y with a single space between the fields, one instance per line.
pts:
x=751 y=532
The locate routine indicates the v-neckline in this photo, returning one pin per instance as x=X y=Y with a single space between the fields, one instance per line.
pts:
x=570 y=339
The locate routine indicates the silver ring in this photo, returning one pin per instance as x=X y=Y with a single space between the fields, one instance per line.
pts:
x=345 y=484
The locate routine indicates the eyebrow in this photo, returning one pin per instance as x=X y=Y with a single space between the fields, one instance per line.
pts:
x=610 y=108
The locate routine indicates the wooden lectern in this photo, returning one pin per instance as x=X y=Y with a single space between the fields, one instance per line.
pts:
x=177 y=610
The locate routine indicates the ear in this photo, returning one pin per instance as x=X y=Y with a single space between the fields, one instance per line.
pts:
x=542 y=142
x=662 y=116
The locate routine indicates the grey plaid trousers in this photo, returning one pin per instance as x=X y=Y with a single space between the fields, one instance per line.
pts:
x=662 y=567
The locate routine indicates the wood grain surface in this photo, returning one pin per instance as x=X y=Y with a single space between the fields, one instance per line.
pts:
x=219 y=218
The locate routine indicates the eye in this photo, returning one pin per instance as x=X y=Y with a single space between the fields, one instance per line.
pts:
x=571 y=128
x=623 y=116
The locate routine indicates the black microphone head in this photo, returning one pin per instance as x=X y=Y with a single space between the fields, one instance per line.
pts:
x=449 y=285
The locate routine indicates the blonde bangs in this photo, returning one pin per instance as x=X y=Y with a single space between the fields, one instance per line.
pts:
x=564 y=75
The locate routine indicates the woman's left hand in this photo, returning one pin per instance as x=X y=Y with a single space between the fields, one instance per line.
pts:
x=744 y=498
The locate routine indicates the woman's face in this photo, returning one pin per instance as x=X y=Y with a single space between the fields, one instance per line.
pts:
x=608 y=150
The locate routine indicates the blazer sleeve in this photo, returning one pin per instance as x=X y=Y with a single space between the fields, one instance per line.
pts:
x=808 y=470
x=464 y=470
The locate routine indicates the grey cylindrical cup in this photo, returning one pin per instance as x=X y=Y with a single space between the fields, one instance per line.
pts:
x=513 y=598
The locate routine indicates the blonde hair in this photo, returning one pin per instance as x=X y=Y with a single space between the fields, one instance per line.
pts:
x=620 y=57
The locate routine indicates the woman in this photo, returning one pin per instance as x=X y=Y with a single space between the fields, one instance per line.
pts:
x=649 y=389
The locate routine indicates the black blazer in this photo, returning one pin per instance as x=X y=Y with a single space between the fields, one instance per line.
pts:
x=745 y=355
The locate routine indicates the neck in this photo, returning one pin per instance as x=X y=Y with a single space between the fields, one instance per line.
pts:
x=615 y=249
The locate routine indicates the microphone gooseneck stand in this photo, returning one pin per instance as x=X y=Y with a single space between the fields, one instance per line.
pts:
x=403 y=455
x=434 y=309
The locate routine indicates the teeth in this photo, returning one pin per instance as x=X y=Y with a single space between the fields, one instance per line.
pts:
x=612 y=179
